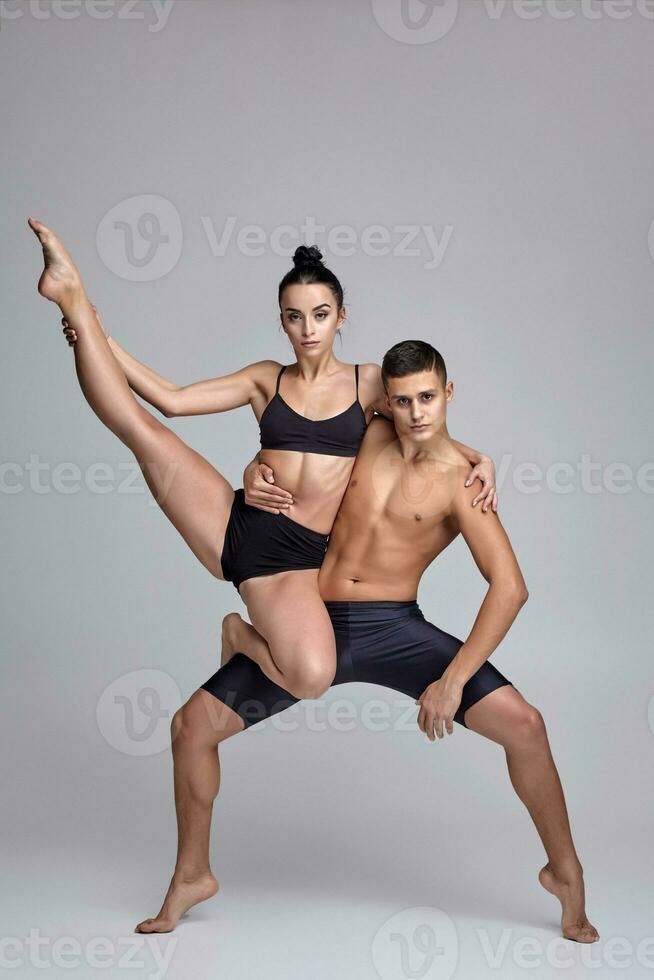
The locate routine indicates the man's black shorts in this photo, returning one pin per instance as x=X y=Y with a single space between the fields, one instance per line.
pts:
x=387 y=643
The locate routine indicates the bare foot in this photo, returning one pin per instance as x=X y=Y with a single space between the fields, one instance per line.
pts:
x=570 y=892
x=231 y=624
x=180 y=897
x=60 y=281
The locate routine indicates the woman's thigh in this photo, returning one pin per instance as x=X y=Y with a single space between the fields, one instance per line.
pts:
x=193 y=495
x=287 y=611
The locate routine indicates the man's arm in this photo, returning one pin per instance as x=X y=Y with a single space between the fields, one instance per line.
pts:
x=507 y=592
x=260 y=489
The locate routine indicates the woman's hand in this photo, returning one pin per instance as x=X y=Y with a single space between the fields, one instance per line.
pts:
x=70 y=333
x=485 y=471
x=260 y=491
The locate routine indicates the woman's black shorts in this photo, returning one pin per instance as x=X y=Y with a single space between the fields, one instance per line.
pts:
x=384 y=642
x=260 y=543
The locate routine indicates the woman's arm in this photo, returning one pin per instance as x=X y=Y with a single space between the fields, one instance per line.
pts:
x=152 y=387
x=199 y=398
x=484 y=470
x=202 y=397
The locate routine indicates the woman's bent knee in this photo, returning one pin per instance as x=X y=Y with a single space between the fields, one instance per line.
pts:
x=310 y=681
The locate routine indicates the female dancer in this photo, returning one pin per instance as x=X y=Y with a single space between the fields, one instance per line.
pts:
x=272 y=558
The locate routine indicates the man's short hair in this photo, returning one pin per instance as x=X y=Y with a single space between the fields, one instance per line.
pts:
x=412 y=357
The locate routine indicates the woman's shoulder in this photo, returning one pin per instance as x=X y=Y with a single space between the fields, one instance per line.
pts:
x=264 y=373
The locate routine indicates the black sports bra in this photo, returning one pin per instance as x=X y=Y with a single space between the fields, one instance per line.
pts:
x=281 y=427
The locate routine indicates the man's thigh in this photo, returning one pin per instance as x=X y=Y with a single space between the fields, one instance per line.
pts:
x=413 y=654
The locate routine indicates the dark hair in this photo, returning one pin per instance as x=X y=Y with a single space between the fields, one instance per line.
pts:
x=412 y=357
x=308 y=268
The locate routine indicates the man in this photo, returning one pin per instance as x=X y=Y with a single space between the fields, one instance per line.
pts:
x=405 y=503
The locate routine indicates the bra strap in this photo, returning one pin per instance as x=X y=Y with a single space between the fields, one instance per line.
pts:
x=356 y=375
x=278 y=377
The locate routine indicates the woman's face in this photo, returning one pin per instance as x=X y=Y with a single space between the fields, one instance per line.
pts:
x=310 y=317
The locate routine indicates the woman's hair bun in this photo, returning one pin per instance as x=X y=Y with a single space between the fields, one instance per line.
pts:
x=307 y=255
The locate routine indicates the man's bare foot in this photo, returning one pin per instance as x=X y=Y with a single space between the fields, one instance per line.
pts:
x=181 y=896
x=60 y=281
x=569 y=890
x=231 y=625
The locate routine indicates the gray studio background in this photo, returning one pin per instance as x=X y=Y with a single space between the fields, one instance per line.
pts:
x=528 y=136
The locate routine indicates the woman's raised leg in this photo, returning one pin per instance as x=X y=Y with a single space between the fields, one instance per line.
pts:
x=194 y=496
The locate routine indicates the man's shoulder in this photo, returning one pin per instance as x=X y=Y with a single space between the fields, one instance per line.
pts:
x=381 y=428
x=463 y=465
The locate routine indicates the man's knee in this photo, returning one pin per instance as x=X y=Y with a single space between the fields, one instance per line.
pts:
x=203 y=721
x=530 y=722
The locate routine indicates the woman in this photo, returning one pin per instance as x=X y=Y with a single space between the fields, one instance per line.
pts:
x=272 y=558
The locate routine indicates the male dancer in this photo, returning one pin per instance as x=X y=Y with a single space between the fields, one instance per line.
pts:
x=405 y=503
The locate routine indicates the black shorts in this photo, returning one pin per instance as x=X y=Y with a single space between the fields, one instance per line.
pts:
x=386 y=643
x=260 y=543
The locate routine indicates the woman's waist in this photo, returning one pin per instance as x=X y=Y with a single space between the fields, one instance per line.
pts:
x=316 y=482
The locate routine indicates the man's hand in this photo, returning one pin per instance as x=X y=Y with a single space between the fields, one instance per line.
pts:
x=439 y=703
x=260 y=489
x=485 y=471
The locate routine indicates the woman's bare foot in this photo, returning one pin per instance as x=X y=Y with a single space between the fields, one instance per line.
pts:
x=569 y=890
x=232 y=623
x=60 y=281
x=182 y=894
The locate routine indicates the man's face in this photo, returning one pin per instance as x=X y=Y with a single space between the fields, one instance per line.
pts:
x=419 y=404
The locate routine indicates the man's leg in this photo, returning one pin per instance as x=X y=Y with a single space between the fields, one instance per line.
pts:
x=505 y=717
x=392 y=644
x=235 y=697
x=197 y=729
